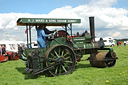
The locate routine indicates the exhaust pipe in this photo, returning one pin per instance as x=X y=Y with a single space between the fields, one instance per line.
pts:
x=92 y=28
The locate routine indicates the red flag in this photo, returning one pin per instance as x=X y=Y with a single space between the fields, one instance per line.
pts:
x=26 y=30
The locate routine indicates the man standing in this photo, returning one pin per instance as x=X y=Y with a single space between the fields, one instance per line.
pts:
x=0 y=50
x=124 y=43
x=3 y=50
x=20 y=51
x=42 y=34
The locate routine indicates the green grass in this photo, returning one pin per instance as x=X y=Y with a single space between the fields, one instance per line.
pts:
x=13 y=73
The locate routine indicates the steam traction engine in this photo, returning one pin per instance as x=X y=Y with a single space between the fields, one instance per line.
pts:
x=63 y=51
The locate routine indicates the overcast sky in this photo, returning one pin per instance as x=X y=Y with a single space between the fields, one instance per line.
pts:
x=111 y=16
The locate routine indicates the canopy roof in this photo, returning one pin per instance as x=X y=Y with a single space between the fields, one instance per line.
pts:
x=46 y=21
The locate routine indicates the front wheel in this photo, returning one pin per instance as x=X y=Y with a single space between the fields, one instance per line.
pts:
x=65 y=58
x=103 y=59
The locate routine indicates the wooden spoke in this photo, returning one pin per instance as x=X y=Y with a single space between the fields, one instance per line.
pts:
x=67 y=57
x=56 y=70
x=66 y=65
x=64 y=68
x=66 y=53
x=68 y=61
x=51 y=63
x=53 y=55
x=62 y=53
x=56 y=54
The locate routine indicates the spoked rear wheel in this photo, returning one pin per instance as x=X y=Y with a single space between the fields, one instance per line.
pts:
x=64 y=57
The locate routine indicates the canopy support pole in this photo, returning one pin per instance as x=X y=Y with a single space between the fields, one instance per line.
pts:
x=27 y=34
x=71 y=29
x=30 y=35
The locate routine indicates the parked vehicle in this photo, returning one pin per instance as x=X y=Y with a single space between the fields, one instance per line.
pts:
x=109 y=41
x=3 y=58
x=11 y=51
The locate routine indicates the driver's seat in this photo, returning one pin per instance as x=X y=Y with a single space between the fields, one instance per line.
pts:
x=60 y=33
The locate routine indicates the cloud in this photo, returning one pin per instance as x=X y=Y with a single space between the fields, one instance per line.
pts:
x=102 y=3
x=105 y=17
x=115 y=34
x=109 y=21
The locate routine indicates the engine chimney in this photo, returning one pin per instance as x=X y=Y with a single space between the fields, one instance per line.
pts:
x=92 y=28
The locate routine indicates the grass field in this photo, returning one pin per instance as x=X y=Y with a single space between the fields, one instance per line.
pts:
x=13 y=73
